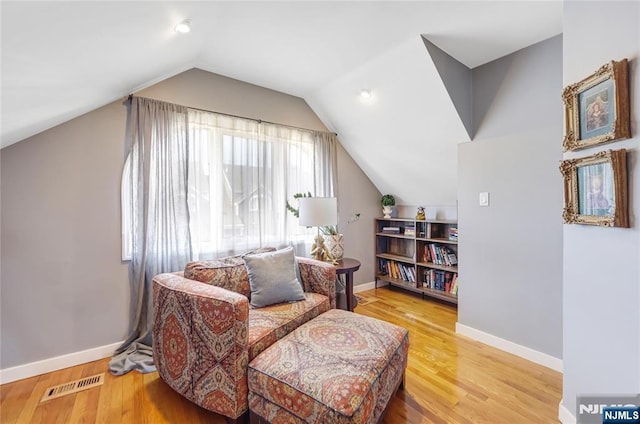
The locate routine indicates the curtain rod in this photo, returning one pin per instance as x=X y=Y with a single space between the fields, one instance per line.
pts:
x=259 y=121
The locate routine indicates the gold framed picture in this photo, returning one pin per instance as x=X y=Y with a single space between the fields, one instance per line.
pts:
x=595 y=189
x=597 y=108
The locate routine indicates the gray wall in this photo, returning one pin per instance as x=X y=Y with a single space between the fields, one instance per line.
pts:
x=63 y=286
x=601 y=309
x=511 y=252
x=357 y=194
x=457 y=79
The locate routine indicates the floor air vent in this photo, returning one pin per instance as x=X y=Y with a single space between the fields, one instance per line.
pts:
x=73 y=387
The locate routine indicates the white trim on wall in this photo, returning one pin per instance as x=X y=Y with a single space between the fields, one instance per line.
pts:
x=497 y=342
x=564 y=415
x=32 y=369
x=511 y=347
x=368 y=286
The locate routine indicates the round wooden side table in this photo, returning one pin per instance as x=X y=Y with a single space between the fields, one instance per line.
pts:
x=345 y=268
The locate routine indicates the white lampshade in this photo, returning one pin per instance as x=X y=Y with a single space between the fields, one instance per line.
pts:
x=318 y=211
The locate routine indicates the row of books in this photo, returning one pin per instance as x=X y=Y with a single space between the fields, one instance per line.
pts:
x=453 y=233
x=439 y=255
x=397 y=270
x=441 y=280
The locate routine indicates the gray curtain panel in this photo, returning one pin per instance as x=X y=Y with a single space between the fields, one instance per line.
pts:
x=157 y=133
x=326 y=164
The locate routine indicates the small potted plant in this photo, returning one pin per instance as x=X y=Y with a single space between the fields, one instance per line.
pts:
x=388 y=202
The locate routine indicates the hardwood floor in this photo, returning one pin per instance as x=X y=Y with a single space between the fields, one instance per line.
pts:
x=450 y=379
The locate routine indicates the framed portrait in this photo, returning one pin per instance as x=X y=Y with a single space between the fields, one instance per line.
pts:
x=595 y=189
x=597 y=108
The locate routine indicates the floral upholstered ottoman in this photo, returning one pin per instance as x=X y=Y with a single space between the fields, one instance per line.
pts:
x=340 y=367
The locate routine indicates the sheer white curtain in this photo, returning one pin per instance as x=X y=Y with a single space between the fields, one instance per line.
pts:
x=241 y=173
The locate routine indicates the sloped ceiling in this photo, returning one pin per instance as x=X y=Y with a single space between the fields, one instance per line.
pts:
x=63 y=59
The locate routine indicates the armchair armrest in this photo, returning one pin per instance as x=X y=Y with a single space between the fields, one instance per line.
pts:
x=200 y=342
x=318 y=277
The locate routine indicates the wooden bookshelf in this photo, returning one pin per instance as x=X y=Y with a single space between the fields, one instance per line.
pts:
x=418 y=255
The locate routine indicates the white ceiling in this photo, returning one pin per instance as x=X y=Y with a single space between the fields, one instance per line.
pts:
x=63 y=59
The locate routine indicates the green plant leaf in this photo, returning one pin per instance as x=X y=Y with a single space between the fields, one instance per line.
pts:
x=388 y=200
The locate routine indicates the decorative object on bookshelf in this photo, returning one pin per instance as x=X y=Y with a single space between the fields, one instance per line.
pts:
x=597 y=108
x=418 y=255
x=420 y=214
x=595 y=189
x=387 y=201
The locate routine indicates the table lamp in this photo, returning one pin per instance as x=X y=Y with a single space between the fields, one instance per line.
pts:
x=318 y=212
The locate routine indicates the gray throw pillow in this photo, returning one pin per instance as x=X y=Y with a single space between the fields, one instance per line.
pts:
x=272 y=277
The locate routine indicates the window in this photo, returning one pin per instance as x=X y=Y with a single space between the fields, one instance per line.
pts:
x=240 y=175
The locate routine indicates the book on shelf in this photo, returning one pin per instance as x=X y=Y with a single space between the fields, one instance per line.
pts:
x=403 y=272
x=392 y=269
x=382 y=267
x=454 y=288
x=453 y=233
x=410 y=229
x=391 y=230
x=426 y=255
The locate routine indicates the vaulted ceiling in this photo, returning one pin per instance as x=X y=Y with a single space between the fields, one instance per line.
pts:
x=63 y=59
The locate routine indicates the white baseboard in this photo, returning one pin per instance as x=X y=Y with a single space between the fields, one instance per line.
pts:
x=368 y=286
x=32 y=369
x=511 y=347
x=564 y=415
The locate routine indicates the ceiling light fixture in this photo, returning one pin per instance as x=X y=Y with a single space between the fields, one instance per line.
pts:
x=184 y=26
x=365 y=94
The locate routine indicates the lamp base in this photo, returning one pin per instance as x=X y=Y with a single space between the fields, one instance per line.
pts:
x=320 y=252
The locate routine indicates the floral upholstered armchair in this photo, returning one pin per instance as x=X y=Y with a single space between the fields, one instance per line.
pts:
x=206 y=332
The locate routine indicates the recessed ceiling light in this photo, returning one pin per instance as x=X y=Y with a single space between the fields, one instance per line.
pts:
x=184 y=26
x=365 y=94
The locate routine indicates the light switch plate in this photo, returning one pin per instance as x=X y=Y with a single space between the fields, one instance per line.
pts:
x=483 y=198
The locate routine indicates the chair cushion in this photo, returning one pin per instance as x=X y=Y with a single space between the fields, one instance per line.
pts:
x=228 y=273
x=268 y=325
x=272 y=278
